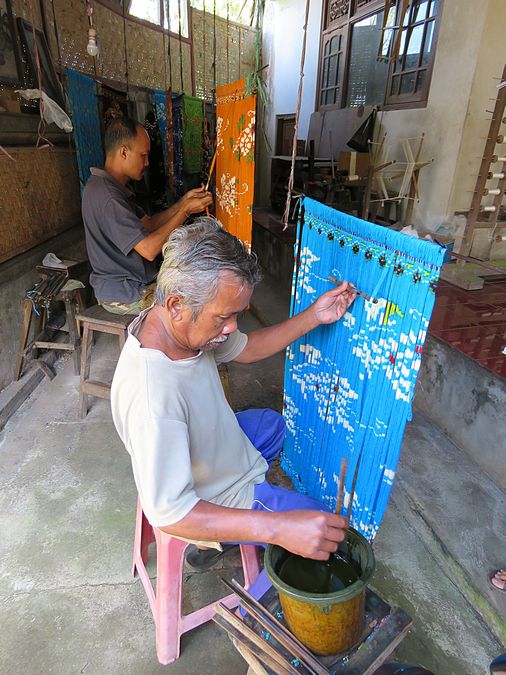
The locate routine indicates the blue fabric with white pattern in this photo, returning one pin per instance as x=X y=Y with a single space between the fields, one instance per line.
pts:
x=349 y=385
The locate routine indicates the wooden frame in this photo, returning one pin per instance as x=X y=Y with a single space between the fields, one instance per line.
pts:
x=356 y=11
x=50 y=82
x=10 y=70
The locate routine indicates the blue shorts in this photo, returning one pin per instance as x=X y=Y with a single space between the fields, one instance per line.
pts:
x=266 y=430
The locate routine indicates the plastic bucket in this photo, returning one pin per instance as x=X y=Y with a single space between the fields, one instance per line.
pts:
x=327 y=623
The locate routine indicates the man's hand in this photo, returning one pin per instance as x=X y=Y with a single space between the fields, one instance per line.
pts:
x=196 y=201
x=333 y=304
x=311 y=534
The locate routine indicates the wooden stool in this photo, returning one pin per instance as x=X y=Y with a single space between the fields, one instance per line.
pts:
x=98 y=319
x=73 y=301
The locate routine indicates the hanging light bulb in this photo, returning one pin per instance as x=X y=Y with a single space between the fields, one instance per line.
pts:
x=92 y=46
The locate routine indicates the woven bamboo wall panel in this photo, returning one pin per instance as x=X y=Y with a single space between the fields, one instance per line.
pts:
x=22 y=8
x=111 y=59
x=175 y=70
x=73 y=33
x=40 y=197
x=235 y=52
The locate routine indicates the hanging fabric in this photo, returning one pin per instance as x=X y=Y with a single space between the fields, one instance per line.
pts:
x=349 y=385
x=161 y=118
x=235 y=164
x=177 y=138
x=156 y=171
x=192 y=134
x=83 y=103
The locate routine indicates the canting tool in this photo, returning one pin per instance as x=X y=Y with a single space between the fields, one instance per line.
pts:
x=354 y=289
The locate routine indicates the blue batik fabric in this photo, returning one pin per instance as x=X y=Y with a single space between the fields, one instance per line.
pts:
x=81 y=91
x=349 y=385
x=177 y=135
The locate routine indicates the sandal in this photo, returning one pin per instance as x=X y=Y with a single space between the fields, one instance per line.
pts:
x=492 y=576
x=204 y=559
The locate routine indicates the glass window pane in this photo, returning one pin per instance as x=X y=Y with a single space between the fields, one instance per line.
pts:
x=408 y=83
x=414 y=47
x=149 y=10
x=421 y=80
x=433 y=7
x=394 y=89
x=171 y=20
x=406 y=17
x=387 y=42
x=326 y=48
x=325 y=78
x=367 y=76
x=428 y=43
x=334 y=44
x=420 y=10
x=332 y=78
x=402 y=44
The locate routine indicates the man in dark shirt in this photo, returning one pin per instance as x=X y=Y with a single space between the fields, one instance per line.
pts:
x=122 y=241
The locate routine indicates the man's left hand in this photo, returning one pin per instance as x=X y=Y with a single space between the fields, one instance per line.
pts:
x=332 y=305
x=196 y=200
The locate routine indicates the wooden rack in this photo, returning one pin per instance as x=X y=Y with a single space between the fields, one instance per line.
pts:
x=491 y=178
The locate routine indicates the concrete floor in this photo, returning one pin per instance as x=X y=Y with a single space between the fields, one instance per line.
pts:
x=68 y=602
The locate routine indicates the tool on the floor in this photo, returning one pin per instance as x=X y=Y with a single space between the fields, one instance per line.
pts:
x=353 y=288
x=275 y=628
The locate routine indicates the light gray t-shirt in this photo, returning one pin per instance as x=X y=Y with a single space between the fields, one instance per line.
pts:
x=183 y=438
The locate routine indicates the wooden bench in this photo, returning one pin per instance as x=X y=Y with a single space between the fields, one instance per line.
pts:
x=97 y=319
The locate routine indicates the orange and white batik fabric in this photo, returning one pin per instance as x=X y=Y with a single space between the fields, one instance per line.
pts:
x=235 y=161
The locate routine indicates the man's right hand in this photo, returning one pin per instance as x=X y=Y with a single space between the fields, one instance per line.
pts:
x=196 y=201
x=311 y=534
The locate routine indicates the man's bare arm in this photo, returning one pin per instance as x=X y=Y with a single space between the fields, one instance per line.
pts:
x=265 y=342
x=193 y=202
x=312 y=534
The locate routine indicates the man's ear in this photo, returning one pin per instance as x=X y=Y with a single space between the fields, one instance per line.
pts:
x=174 y=307
x=123 y=151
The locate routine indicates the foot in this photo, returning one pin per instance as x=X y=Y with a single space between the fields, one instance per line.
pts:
x=498 y=579
x=203 y=559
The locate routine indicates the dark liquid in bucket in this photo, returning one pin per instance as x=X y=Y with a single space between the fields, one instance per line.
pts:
x=316 y=576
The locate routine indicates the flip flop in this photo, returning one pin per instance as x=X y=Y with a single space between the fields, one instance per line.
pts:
x=204 y=559
x=493 y=586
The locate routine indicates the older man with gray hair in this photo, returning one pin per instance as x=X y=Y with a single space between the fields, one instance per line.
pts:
x=199 y=468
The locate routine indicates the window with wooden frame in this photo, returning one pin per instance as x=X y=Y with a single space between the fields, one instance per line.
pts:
x=357 y=64
x=409 y=75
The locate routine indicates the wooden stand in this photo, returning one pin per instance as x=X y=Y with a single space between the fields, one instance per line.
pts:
x=73 y=304
x=386 y=627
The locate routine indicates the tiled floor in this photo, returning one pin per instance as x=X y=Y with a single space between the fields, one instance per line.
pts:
x=474 y=322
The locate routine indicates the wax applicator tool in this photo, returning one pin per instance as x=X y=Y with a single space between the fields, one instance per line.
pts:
x=353 y=288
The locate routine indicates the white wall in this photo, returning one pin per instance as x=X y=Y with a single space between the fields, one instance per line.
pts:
x=282 y=45
x=471 y=51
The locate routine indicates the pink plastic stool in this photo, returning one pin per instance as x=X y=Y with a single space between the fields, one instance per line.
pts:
x=166 y=605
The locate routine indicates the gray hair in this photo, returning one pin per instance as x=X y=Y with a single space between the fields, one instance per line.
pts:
x=194 y=256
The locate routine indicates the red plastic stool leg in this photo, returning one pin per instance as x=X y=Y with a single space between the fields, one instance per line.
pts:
x=169 y=592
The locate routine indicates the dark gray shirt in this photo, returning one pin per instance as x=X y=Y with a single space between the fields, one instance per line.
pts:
x=113 y=228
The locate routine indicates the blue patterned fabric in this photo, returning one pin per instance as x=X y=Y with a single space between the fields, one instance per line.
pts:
x=177 y=135
x=84 y=109
x=349 y=386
